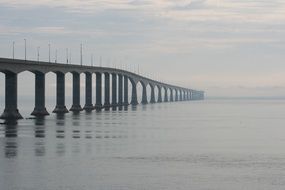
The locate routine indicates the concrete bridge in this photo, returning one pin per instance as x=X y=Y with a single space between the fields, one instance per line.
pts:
x=12 y=67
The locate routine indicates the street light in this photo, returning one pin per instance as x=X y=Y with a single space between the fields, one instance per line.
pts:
x=70 y=56
x=56 y=56
x=66 y=55
x=49 y=53
x=92 y=60
x=25 y=49
x=13 y=50
x=81 y=55
x=38 y=49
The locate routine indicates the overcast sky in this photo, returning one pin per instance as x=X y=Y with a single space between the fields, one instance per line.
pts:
x=225 y=47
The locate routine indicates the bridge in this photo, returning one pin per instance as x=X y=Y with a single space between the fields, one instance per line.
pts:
x=119 y=78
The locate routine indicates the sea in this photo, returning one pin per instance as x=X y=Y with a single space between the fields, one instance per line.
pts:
x=215 y=144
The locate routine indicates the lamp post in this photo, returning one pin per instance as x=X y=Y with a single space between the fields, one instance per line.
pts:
x=25 y=49
x=81 y=55
x=49 y=53
x=66 y=55
x=38 y=50
x=56 y=56
x=13 y=50
x=69 y=56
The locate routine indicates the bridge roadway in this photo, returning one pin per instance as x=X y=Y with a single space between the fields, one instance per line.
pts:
x=120 y=80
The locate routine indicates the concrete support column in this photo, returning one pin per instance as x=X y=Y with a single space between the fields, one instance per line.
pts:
x=120 y=98
x=126 y=91
x=165 y=95
x=176 y=95
x=152 y=95
x=181 y=97
x=159 y=99
x=60 y=94
x=144 y=95
x=88 y=92
x=171 y=95
x=114 y=90
x=98 y=104
x=134 y=100
x=107 y=91
x=193 y=95
x=11 y=111
x=76 y=93
x=40 y=109
x=185 y=96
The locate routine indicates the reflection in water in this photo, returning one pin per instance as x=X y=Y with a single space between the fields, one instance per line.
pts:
x=76 y=134
x=11 y=148
x=39 y=131
x=40 y=148
x=134 y=107
x=11 y=131
x=60 y=134
x=60 y=119
x=76 y=119
x=60 y=148
x=39 y=121
x=88 y=134
x=11 y=145
x=199 y=146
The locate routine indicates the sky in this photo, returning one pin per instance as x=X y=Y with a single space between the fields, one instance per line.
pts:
x=228 y=48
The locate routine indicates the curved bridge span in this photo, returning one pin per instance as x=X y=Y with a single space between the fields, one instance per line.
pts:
x=119 y=79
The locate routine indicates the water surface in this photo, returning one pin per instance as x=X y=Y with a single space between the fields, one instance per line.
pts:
x=212 y=144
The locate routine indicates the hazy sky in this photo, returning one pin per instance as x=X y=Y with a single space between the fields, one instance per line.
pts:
x=225 y=47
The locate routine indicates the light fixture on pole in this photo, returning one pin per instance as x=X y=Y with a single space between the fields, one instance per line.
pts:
x=38 y=49
x=69 y=56
x=49 y=53
x=92 y=60
x=56 y=56
x=81 y=54
x=66 y=55
x=13 y=49
x=25 y=49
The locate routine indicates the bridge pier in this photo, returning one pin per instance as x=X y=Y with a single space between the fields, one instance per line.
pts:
x=40 y=109
x=11 y=111
x=107 y=91
x=88 y=92
x=98 y=104
x=126 y=91
x=144 y=95
x=176 y=95
x=120 y=99
x=159 y=99
x=181 y=97
x=152 y=95
x=185 y=96
x=165 y=95
x=114 y=90
x=190 y=95
x=134 y=100
x=171 y=95
x=60 y=94
x=76 y=107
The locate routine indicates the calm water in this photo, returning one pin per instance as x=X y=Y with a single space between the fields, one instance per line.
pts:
x=214 y=144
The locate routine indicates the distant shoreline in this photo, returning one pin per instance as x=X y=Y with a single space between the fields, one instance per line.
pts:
x=245 y=98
